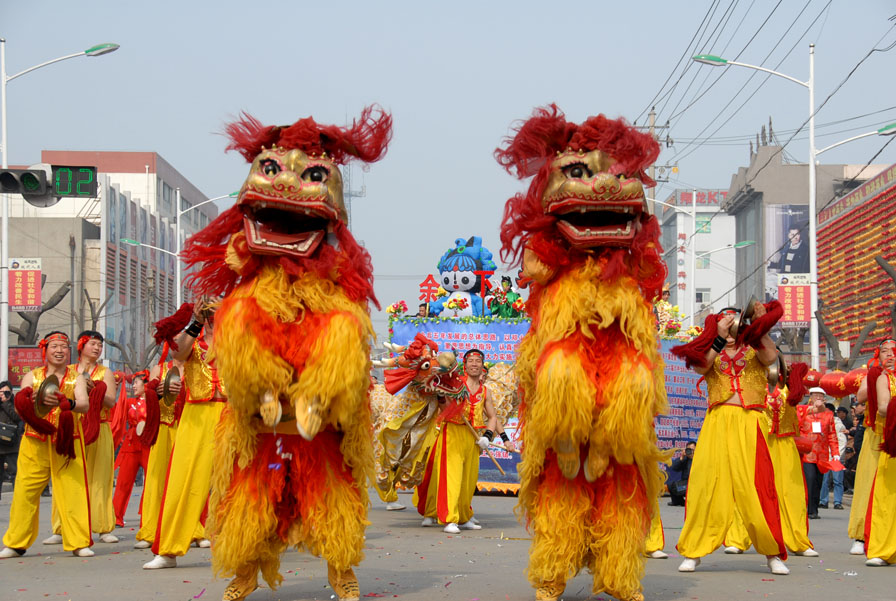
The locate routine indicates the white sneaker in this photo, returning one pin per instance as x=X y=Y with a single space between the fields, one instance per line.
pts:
x=83 y=552
x=428 y=522
x=777 y=566
x=394 y=506
x=689 y=565
x=474 y=520
x=108 y=537
x=8 y=553
x=875 y=562
x=810 y=552
x=470 y=525
x=658 y=554
x=204 y=543
x=733 y=550
x=142 y=544
x=55 y=539
x=857 y=548
x=160 y=561
x=451 y=528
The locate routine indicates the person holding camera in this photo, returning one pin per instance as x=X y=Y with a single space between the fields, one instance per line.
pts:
x=11 y=429
x=681 y=464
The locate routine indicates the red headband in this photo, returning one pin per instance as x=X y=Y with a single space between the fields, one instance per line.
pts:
x=46 y=341
x=143 y=375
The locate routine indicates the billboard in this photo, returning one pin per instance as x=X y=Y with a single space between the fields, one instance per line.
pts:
x=24 y=285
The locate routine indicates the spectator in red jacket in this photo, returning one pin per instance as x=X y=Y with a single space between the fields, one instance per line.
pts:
x=817 y=425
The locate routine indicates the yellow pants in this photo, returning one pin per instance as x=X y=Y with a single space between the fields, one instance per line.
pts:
x=880 y=534
x=732 y=472
x=100 y=461
x=791 y=486
x=656 y=540
x=39 y=463
x=154 y=482
x=865 y=470
x=189 y=479
x=452 y=471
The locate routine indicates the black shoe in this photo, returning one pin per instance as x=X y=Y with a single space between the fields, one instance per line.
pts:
x=838 y=506
x=46 y=493
x=813 y=516
x=824 y=506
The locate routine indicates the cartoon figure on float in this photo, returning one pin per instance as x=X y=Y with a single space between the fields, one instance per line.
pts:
x=457 y=275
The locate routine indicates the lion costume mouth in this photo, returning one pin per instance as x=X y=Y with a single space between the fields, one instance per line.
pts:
x=283 y=227
x=588 y=223
x=448 y=384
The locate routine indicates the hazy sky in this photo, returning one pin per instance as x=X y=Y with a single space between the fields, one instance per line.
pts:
x=455 y=77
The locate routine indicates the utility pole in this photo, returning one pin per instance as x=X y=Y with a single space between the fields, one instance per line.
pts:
x=651 y=128
x=348 y=194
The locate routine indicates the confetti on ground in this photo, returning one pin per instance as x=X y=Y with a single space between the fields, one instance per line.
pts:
x=850 y=573
x=202 y=592
x=447 y=583
x=768 y=579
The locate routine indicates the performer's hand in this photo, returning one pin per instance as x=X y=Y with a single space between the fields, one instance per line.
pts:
x=53 y=400
x=270 y=410
x=90 y=384
x=482 y=442
x=836 y=457
x=758 y=310
x=509 y=447
x=725 y=325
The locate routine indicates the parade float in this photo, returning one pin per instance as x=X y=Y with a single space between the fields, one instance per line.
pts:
x=471 y=306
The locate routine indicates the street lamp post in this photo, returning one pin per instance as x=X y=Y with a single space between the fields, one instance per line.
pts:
x=178 y=236
x=98 y=50
x=716 y=61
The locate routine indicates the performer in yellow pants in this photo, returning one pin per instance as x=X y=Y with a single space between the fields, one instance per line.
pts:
x=189 y=473
x=40 y=460
x=789 y=480
x=99 y=452
x=880 y=521
x=869 y=454
x=732 y=470
x=452 y=469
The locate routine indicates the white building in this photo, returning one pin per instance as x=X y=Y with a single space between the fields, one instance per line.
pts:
x=134 y=285
x=713 y=286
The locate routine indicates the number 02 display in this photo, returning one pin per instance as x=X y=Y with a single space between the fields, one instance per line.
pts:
x=79 y=182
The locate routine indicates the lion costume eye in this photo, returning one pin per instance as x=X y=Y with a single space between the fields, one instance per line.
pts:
x=577 y=171
x=270 y=167
x=315 y=174
x=424 y=366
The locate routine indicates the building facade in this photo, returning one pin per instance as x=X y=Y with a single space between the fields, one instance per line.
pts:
x=119 y=287
x=853 y=288
x=712 y=286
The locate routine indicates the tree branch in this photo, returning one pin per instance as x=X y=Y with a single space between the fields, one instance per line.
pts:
x=860 y=342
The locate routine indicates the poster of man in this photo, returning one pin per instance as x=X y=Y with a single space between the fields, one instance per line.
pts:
x=786 y=244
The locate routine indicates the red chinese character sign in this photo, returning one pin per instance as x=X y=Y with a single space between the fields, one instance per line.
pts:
x=24 y=285
x=463 y=273
x=22 y=359
x=793 y=292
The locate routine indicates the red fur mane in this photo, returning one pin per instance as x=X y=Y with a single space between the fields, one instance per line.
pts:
x=525 y=224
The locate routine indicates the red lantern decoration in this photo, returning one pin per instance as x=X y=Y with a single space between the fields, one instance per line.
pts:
x=854 y=380
x=834 y=384
x=812 y=379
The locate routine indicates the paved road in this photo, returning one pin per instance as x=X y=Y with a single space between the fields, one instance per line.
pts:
x=405 y=561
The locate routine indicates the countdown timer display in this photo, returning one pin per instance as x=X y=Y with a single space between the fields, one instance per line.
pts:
x=74 y=181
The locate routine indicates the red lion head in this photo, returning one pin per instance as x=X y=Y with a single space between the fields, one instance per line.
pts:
x=587 y=196
x=290 y=209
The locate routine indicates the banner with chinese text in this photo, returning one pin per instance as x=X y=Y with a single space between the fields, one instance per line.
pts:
x=793 y=292
x=24 y=285
x=497 y=338
x=22 y=359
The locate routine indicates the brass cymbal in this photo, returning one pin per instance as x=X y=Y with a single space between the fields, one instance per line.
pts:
x=744 y=319
x=778 y=372
x=172 y=378
x=50 y=386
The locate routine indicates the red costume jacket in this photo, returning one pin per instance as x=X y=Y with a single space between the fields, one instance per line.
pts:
x=824 y=441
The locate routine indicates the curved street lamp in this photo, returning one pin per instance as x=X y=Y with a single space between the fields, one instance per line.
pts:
x=97 y=50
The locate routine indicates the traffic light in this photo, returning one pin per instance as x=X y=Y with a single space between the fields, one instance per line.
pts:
x=34 y=184
x=27 y=182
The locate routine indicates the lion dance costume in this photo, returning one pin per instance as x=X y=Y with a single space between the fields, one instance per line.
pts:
x=590 y=372
x=294 y=447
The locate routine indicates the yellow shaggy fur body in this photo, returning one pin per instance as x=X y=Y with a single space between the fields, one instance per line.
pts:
x=335 y=373
x=592 y=380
